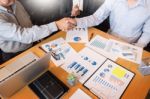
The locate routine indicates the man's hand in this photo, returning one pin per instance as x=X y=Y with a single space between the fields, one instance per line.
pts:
x=75 y=11
x=66 y=24
x=72 y=21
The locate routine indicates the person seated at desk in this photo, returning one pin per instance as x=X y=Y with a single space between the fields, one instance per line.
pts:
x=16 y=30
x=129 y=20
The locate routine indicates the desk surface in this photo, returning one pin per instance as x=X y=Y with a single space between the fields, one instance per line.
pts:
x=137 y=89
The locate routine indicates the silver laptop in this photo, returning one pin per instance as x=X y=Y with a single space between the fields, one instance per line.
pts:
x=16 y=75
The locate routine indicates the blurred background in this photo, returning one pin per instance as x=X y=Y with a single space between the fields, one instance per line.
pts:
x=45 y=11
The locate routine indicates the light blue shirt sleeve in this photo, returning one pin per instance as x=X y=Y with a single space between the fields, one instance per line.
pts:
x=13 y=32
x=99 y=16
x=145 y=37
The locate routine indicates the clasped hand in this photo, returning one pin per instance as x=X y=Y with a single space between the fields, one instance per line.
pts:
x=66 y=24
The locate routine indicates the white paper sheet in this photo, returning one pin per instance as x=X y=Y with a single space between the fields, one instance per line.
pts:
x=77 y=35
x=110 y=81
x=60 y=50
x=126 y=51
x=100 y=44
x=79 y=94
x=84 y=64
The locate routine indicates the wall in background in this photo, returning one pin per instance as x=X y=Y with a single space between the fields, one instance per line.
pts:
x=45 y=11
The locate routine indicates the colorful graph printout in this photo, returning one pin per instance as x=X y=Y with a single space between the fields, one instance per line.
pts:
x=113 y=49
x=77 y=35
x=84 y=64
x=109 y=81
x=126 y=51
x=60 y=50
x=100 y=44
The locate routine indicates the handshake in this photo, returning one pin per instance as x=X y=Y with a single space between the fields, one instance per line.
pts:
x=66 y=24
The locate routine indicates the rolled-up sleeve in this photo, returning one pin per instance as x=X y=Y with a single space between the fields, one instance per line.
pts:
x=145 y=37
x=12 y=32
x=99 y=16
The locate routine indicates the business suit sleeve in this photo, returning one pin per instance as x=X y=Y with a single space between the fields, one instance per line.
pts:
x=98 y=17
x=12 y=32
x=145 y=37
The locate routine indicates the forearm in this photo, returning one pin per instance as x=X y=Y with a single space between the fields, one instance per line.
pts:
x=13 y=32
x=88 y=21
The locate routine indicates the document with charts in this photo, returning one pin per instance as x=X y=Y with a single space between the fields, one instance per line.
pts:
x=125 y=51
x=99 y=44
x=77 y=35
x=113 y=49
x=60 y=50
x=109 y=81
x=84 y=64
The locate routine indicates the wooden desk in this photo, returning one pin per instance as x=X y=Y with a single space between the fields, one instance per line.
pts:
x=137 y=89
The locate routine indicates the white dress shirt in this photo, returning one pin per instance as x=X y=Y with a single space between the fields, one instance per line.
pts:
x=131 y=24
x=16 y=30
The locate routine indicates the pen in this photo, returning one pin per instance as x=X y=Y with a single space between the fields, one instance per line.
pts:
x=91 y=36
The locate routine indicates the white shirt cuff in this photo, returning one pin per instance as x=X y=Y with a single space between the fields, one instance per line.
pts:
x=52 y=27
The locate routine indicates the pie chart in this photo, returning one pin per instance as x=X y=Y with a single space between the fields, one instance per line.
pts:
x=77 y=39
